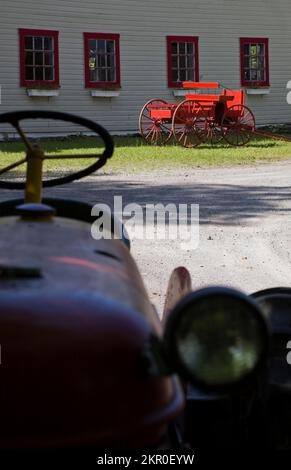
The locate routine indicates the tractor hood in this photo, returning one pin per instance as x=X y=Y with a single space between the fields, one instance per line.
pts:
x=72 y=374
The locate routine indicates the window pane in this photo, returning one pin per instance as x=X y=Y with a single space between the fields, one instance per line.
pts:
x=38 y=57
x=254 y=75
x=28 y=42
x=262 y=74
x=110 y=60
x=247 y=75
x=246 y=61
x=174 y=75
x=246 y=49
x=92 y=45
x=101 y=61
x=261 y=62
x=92 y=63
x=28 y=73
x=48 y=58
x=182 y=48
x=175 y=62
x=174 y=48
x=182 y=75
x=48 y=44
x=29 y=58
x=254 y=62
x=101 y=46
x=261 y=49
x=93 y=75
x=182 y=62
x=190 y=48
x=111 y=75
x=190 y=75
x=253 y=49
x=38 y=43
x=49 y=73
x=190 y=61
x=102 y=75
x=110 y=46
x=38 y=73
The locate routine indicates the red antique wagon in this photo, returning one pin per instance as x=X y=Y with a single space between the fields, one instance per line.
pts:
x=201 y=117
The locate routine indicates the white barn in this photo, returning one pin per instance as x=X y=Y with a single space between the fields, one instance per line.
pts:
x=103 y=59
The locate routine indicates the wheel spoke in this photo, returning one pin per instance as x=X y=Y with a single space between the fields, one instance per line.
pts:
x=247 y=120
x=147 y=128
x=151 y=131
x=181 y=137
x=164 y=127
x=148 y=117
x=12 y=166
x=25 y=140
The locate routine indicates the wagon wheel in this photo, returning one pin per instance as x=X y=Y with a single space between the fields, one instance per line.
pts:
x=213 y=132
x=214 y=119
x=189 y=124
x=238 y=125
x=154 y=131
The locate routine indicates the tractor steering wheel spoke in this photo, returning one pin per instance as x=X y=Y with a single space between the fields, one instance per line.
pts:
x=25 y=140
x=27 y=144
x=12 y=166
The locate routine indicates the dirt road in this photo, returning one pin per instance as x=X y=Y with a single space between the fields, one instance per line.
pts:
x=245 y=223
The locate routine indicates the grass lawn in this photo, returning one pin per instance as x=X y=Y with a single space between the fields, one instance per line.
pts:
x=132 y=154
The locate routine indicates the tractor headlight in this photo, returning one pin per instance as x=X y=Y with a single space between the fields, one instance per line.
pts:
x=216 y=337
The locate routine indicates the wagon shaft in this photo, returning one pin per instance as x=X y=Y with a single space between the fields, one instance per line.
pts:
x=272 y=135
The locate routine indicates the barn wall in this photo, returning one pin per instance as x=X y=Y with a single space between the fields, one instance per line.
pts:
x=143 y=27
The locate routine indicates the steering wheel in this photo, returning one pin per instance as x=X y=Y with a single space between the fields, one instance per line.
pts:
x=14 y=119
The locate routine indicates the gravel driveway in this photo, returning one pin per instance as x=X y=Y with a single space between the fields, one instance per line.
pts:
x=245 y=225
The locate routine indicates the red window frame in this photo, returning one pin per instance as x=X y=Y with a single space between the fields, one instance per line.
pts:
x=88 y=82
x=23 y=33
x=195 y=41
x=255 y=83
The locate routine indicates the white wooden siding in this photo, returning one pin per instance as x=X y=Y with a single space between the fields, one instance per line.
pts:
x=143 y=27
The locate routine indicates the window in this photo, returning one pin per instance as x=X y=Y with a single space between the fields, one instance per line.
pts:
x=182 y=60
x=254 y=61
x=39 y=58
x=102 y=60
